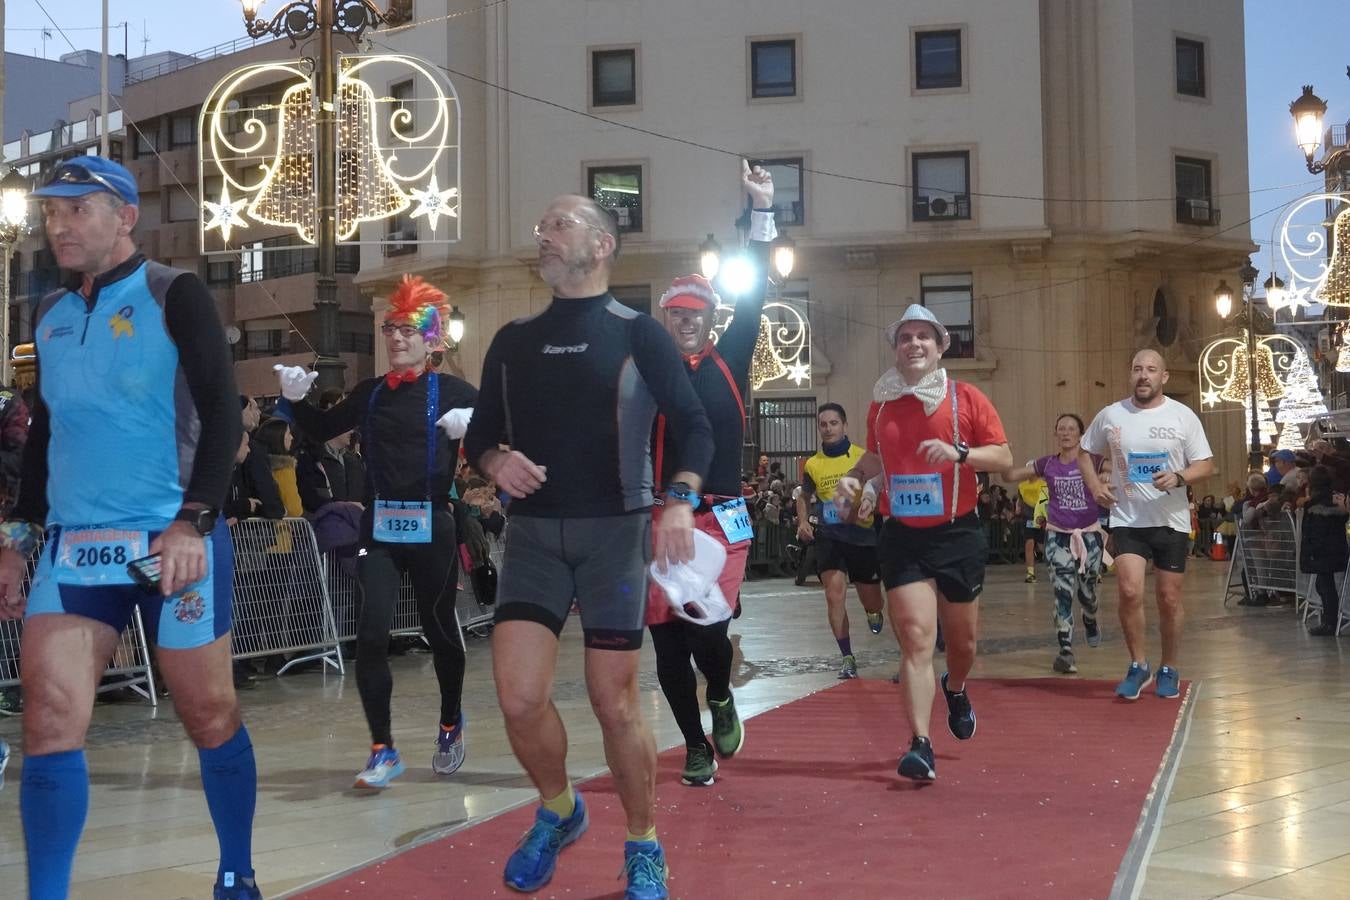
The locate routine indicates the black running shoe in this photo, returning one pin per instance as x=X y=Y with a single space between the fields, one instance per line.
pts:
x=918 y=764
x=960 y=717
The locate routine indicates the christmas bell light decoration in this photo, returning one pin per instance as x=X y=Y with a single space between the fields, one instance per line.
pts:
x=1268 y=385
x=1343 y=354
x=366 y=191
x=765 y=365
x=1335 y=290
x=288 y=194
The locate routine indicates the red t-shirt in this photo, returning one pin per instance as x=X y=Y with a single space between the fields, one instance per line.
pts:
x=895 y=429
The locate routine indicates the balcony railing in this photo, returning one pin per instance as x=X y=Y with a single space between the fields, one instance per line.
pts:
x=963 y=342
x=1335 y=136
x=191 y=59
x=347 y=263
x=1197 y=211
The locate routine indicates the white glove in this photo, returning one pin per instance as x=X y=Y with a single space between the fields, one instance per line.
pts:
x=295 y=381
x=455 y=423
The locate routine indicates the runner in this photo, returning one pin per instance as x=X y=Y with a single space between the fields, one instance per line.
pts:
x=129 y=454
x=1156 y=447
x=720 y=375
x=573 y=392
x=410 y=421
x=846 y=546
x=929 y=435
x=1031 y=491
x=1073 y=548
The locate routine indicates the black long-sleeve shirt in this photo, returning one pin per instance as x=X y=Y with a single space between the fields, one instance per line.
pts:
x=394 y=435
x=723 y=404
x=575 y=389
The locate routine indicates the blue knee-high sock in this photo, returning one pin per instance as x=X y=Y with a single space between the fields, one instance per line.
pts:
x=230 y=779
x=54 y=799
x=845 y=645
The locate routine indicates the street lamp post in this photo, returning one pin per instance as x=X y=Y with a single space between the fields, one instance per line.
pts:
x=298 y=20
x=13 y=226
x=1246 y=319
x=1308 y=110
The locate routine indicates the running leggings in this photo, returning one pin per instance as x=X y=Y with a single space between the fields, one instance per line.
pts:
x=434 y=571
x=675 y=642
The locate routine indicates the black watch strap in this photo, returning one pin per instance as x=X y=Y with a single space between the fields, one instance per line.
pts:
x=204 y=520
x=962 y=451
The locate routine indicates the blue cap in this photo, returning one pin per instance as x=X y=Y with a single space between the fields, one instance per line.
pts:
x=87 y=174
x=1283 y=455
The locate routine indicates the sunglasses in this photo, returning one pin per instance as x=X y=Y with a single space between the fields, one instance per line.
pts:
x=73 y=173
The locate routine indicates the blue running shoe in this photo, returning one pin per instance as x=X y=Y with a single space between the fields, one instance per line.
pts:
x=383 y=767
x=874 y=622
x=960 y=717
x=1169 y=683
x=1136 y=679
x=4 y=761
x=235 y=887
x=644 y=862
x=532 y=865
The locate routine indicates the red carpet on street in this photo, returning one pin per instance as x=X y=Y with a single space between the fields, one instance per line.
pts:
x=1042 y=802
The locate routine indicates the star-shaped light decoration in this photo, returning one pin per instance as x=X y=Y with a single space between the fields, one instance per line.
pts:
x=799 y=372
x=226 y=214
x=434 y=202
x=1209 y=398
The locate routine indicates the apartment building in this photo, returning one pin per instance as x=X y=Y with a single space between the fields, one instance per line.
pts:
x=1063 y=182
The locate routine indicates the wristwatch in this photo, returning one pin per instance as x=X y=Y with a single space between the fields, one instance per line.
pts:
x=682 y=490
x=962 y=451
x=1181 y=479
x=204 y=520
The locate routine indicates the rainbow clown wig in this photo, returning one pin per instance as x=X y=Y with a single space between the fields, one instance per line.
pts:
x=417 y=303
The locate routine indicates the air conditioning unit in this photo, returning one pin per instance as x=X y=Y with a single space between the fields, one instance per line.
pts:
x=926 y=208
x=1200 y=209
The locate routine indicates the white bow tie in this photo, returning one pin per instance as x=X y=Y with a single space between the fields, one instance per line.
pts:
x=930 y=390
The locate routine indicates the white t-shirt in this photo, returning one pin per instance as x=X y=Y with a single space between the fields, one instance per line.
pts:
x=1139 y=442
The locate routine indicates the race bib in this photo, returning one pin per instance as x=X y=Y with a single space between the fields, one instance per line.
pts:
x=829 y=513
x=735 y=520
x=402 y=521
x=98 y=556
x=916 y=495
x=1143 y=466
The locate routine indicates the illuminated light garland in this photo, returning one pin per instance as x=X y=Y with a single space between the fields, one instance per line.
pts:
x=783 y=350
x=225 y=215
x=1313 y=279
x=1291 y=437
x=1335 y=289
x=1223 y=369
x=1267 y=383
x=434 y=202
x=1302 y=401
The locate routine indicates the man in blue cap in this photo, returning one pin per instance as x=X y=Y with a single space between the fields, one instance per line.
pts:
x=1281 y=464
x=129 y=454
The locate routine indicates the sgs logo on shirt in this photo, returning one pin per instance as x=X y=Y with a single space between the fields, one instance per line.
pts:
x=1160 y=432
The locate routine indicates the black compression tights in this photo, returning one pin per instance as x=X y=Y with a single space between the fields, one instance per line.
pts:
x=675 y=642
x=434 y=571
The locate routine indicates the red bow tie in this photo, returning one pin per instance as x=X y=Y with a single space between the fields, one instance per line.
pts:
x=394 y=379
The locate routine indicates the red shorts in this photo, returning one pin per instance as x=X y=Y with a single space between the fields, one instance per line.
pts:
x=733 y=573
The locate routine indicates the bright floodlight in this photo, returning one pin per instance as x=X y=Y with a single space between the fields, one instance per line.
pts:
x=738 y=276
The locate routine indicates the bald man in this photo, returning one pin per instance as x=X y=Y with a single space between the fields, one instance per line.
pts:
x=1156 y=447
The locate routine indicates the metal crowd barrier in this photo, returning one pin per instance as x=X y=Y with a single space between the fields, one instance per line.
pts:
x=1269 y=555
x=281 y=598
x=129 y=666
x=768 y=550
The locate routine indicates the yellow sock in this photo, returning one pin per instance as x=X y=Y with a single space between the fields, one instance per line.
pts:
x=562 y=805
x=649 y=836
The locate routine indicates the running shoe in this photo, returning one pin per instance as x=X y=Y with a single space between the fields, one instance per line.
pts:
x=449 y=754
x=874 y=622
x=4 y=761
x=235 y=887
x=960 y=717
x=644 y=862
x=918 y=763
x=1136 y=679
x=1031 y=576
x=1094 y=634
x=849 y=669
x=383 y=767
x=728 y=733
x=1064 y=663
x=531 y=865
x=11 y=702
x=1169 y=683
x=699 y=766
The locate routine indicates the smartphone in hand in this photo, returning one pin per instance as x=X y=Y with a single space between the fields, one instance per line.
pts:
x=146 y=571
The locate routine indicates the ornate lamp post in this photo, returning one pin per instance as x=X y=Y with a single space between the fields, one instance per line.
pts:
x=298 y=20
x=13 y=227
x=1246 y=319
x=1308 y=111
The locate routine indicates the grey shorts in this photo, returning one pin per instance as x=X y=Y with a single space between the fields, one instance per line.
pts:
x=599 y=562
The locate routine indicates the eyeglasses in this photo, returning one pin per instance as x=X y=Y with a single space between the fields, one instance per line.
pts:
x=407 y=331
x=74 y=173
x=560 y=225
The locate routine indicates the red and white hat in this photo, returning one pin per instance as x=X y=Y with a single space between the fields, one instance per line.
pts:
x=690 y=292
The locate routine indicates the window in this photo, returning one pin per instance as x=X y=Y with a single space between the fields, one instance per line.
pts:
x=773 y=68
x=400 y=232
x=1195 y=201
x=403 y=120
x=182 y=130
x=937 y=59
x=941 y=186
x=634 y=296
x=952 y=300
x=614 y=77
x=147 y=138
x=115 y=151
x=265 y=342
x=1190 y=67
x=618 y=189
x=219 y=273
x=182 y=205
x=789 y=195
